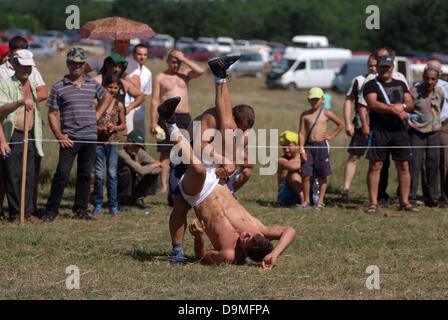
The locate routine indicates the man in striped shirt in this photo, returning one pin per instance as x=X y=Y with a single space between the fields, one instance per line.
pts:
x=73 y=97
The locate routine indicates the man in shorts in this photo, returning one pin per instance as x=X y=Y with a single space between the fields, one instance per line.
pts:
x=172 y=82
x=354 y=129
x=389 y=102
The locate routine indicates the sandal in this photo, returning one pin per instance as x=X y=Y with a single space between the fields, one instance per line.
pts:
x=320 y=206
x=409 y=207
x=372 y=208
x=304 y=206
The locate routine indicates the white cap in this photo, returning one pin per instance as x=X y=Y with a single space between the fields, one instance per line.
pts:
x=24 y=57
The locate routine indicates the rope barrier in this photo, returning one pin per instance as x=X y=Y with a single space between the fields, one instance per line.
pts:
x=262 y=147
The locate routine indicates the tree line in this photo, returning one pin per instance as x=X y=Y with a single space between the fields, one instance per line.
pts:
x=404 y=24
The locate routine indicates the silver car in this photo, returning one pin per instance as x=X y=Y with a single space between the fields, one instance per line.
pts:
x=250 y=64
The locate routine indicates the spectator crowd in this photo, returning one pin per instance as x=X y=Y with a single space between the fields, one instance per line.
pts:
x=100 y=122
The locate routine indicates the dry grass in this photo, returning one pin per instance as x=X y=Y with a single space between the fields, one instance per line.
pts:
x=127 y=258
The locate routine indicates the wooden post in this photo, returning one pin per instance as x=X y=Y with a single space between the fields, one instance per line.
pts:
x=24 y=167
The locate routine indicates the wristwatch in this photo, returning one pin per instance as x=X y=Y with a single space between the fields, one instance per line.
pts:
x=404 y=106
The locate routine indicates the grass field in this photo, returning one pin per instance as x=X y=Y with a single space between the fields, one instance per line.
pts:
x=128 y=257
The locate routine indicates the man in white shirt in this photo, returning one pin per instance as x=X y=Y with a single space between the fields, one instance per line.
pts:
x=142 y=79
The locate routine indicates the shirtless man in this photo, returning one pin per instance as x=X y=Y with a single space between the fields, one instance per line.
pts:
x=244 y=118
x=233 y=232
x=172 y=82
x=314 y=148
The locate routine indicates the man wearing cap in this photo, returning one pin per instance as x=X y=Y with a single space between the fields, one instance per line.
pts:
x=116 y=64
x=388 y=101
x=289 y=179
x=73 y=97
x=17 y=97
x=138 y=172
x=384 y=175
x=7 y=71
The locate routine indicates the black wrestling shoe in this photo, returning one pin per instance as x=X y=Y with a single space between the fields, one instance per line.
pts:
x=220 y=65
x=167 y=108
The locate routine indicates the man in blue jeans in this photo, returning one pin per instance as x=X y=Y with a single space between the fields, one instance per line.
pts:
x=73 y=97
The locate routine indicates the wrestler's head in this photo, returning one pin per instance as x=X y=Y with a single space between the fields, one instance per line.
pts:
x=244 y=116
x=256 y=247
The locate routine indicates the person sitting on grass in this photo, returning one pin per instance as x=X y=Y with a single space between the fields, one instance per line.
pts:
x=233 y=232
x=109 y=125
x=289 y=179
x=138 y=172
x=314 y=147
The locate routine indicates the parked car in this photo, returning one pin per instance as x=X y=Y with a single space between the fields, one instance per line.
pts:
x=12 y=32
x=39 y=51
x=414 y=56
x=183 y=42
x=72 y=36
x=198 y=53
x=309 y=41
x=307 y=68
x=354 y=67
x=156 y=50
x=277 y=51
x=224 y=45
x=442 y=58
x=240 y=45
x=250 y=64
x=208 y=43
x=164 y=40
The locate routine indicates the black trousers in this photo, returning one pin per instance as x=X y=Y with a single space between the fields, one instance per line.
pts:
x=86 y=153
x=13 y=175
x=131 y=187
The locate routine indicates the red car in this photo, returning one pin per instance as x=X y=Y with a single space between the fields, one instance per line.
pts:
x=198 y=54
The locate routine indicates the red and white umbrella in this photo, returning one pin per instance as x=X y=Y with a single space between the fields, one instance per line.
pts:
x=116 y=28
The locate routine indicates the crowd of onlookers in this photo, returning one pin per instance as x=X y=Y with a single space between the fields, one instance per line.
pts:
x=100 y=121
x=391 y=119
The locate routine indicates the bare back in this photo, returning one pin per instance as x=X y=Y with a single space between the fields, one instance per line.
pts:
x=225 y=219
x=171 y=85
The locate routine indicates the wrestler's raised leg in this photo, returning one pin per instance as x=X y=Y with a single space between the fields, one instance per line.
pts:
x=195 y=175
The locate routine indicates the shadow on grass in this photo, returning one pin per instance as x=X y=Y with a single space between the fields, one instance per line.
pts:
x=144 y=256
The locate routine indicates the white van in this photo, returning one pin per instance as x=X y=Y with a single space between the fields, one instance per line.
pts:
x=309 y=42
x=307 y=68
x=358 y=66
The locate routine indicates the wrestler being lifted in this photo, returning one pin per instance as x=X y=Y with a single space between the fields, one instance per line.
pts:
x=233 y=232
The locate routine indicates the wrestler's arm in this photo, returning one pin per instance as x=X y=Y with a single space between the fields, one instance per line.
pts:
x=155 y=101
x=135 y=93
x=208 y=256
x=284 y=235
